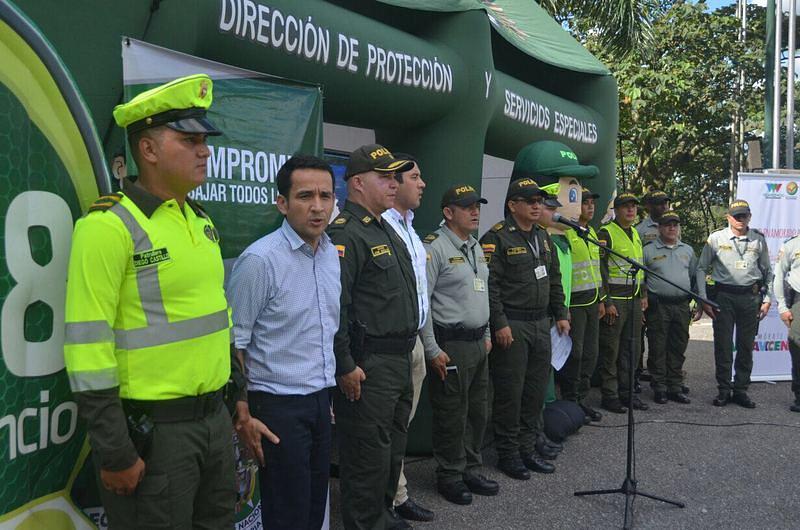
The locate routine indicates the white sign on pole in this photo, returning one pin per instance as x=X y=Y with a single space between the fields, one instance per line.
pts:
x=775 y=202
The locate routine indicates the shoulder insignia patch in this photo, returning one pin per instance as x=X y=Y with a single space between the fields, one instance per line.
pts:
x=499 y=226
x=513 y=251
x=366 y=219
x=380 y=250
x=340 y=220
x=546 y=244
x=430 y=238
x=340 y=249
x=104 y=202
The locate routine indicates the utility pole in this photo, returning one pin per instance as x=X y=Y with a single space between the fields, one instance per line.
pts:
x=776 y=87
x=790 y=87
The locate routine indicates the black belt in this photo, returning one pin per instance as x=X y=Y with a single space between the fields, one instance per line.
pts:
x=468 y=335
x=736 y=289
x=180 y=409
x=517 y=314
x=392 y=345
x=670 y=299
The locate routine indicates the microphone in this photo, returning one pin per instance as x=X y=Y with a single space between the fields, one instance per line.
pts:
x=558 y=218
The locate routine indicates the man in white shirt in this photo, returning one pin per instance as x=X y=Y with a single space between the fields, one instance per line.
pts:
x=408 y=198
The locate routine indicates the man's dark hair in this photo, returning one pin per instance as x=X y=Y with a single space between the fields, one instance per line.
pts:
x=300 y=161
x=404 y=156
x=133 y=141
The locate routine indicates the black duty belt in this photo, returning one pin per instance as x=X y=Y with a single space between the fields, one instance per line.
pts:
x=392 y=345
x=659 y=299
x=444 y=334
x=518 y=314
x=736 y=289
x=180 y=409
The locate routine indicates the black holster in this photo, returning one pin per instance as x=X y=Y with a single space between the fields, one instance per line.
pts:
x=140 y=429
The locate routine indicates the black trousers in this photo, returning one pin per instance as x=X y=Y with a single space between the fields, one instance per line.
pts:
x=294 y=481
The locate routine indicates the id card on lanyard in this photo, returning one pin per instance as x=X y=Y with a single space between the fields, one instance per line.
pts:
x=539 y=271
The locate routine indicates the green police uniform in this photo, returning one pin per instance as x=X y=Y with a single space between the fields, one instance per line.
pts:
x=739 y=267
x=458 y=284
x=377 y=331
x=787 y=295
x=525 y=293
x=585 y=325
x=615 y=348
x=668 y=312
x=148 y=335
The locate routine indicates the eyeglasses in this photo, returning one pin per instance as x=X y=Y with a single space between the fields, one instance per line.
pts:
x=530 y=200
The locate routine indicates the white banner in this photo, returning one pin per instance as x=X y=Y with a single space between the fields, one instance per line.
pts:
x=774 y=202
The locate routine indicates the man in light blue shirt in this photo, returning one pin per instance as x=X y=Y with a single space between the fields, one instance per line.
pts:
x=400 y=217
x=284 y=290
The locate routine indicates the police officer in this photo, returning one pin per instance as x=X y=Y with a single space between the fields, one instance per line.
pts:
x=586 y=309
x=524 y=294
x=457 y=344
x=147 y=333
x=787 y=294
x=621 y=320
x=379 y=320
x=737 y=260
x=668 y=311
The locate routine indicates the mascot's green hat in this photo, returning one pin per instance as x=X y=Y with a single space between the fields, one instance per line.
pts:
x=546 y=161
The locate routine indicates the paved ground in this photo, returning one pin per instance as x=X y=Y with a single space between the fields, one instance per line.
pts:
x=734 y=468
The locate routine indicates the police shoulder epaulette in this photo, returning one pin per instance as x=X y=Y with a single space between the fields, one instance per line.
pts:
x=649 y=242
x=340 y=220
x=198 y=210
x=499 y=226
x=757 y=231
x=104 y=202
x=430 y=238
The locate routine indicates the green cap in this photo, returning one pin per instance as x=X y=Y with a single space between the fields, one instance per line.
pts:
x=462 y=195
x=625 y=198
x=547 y=161
x=669 y=216
x=586 y=193
x=374 y=157
x=524 y=188
x=180 y=105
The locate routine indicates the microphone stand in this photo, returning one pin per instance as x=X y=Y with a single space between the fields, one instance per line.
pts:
x=629 y=486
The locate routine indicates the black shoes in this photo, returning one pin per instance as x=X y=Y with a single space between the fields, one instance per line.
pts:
x=743 y=400
x=412 y=511
x=547 y=449
x=684 y=389
x=590 y=413
x=637 y=403
x=678 y=397
x=613 y=405
x=722 y=399
x=513 y=467
x=455 y=492
x=396 y=522
x=480 y=485
x=535 y=463
x=660 y=397
x=796 y=406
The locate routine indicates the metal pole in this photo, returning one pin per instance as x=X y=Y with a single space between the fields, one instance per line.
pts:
x=776 y=95
x=790 y=87
x=769 y=68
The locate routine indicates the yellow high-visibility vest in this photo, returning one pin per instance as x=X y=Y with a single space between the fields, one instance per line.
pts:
x=617 y=268
x=146 y=309
x=585 y=264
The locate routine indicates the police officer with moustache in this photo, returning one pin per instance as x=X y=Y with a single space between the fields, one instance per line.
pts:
x=147 y=345
x=737 y=260
x=457 y=344
x=787 y=294
x=620 y=321
x=668 y=311
x=379 y=319
x=525 y=293
x=586 y=309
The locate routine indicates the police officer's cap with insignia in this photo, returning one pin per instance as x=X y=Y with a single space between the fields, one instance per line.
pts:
x=180 y=105
x=374 y=157
x=670 y=216
x=462 y=195
x=547 y=161
x=656 y=197
x=738 y=207
x=625 y=198
x=551 y=197
x=523 y=189
x=587 y=194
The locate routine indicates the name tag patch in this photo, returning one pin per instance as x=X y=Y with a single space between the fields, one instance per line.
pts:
x=380 y=250
x=150 y=257
x=456 y=259
x=513 y=251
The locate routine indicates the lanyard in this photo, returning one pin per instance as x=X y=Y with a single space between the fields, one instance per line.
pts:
x=736 y=246
x=474 y=262
x=533 y=244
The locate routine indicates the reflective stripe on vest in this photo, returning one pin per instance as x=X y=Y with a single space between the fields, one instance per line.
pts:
x=585 y=265
x=617 y=268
